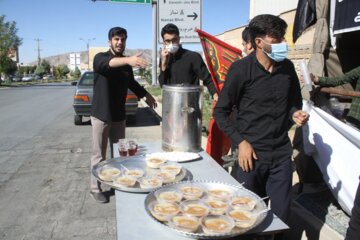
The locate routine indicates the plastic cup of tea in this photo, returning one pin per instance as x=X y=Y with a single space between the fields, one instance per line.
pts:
x=123 y=152
x=131 y=150
x=132 y=142
x=123 y=147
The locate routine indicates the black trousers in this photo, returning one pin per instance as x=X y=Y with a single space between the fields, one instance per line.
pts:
x=353 y=231
x=270 y=179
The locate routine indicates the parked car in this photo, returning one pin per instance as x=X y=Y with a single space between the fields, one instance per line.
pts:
x=37 y=77
x=27 y=78
x=15 y=78
x=48 y=77
x=84 y=94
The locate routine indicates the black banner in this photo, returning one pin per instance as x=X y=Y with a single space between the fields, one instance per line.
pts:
x=347 y=16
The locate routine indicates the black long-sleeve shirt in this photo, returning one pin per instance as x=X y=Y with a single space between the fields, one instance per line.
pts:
x=186 y=67
x=265 y=103
x=110 y=88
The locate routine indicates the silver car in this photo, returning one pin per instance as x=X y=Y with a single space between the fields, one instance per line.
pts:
x=84 y=94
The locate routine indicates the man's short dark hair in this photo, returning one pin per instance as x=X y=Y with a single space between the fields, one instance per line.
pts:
x=169 y=29
x=116 y=31
x=266 y=24
x=246 y=35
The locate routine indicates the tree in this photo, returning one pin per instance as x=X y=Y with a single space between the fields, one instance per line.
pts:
x=11 y=69
x=40 y=70
x=8 y=41
x=76 y=73
x=61 y=71
x=25 y=70
x=146 y=74
x=66 y=70
x=46 y=65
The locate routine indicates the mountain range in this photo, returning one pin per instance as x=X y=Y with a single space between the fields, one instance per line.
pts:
x=65 y=57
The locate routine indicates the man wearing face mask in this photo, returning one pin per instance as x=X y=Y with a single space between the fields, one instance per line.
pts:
x=113 y=75
x=179 y=65
x=266 y=91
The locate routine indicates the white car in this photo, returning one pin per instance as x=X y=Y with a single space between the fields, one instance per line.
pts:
x=27 y=78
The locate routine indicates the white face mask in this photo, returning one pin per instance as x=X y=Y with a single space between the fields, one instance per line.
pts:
x=172 y=48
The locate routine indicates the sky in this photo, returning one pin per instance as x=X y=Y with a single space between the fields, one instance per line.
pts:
x=59 y=24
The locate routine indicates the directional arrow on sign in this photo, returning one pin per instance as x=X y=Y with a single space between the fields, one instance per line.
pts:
x=194 y=15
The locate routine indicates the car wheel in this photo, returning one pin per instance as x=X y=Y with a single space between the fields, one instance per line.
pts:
x=77 y=119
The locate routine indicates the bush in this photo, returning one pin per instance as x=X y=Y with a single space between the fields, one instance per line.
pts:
x=207 y=109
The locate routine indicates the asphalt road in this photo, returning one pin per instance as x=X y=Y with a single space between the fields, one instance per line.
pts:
x=44 y=167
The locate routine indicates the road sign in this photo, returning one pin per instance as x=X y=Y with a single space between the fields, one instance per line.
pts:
x=132 y=1
x=185 y=14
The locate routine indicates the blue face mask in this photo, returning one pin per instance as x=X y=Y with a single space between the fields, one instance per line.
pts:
x=279 y=51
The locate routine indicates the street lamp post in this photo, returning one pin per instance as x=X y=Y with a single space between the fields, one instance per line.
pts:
x=87 y=41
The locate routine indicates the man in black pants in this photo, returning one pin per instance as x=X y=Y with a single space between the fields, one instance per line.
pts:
x=265 y=89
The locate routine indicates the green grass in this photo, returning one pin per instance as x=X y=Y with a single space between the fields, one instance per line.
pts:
x=207 y=110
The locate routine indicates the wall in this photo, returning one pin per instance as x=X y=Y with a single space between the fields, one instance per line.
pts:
x=274 y=7
x=300 y=50
x=93 y=51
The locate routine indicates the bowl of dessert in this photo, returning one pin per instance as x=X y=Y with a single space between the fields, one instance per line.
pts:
x=134 y=172
x=171 y=167
x=171 y=195
x=108 y=173
x=149 y=182
x=191 y=191
x=124 y=181
x=223 y=194
x=217 y=224
x=243 y=202
x=243 y=218
x=163 y=211
x=216 y=206
x=184 y=223
x=195 y=208
x=155 y=162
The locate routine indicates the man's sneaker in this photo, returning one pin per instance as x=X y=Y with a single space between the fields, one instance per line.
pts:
x=98 y=197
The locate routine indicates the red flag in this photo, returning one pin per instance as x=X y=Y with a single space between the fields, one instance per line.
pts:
x=219 y=56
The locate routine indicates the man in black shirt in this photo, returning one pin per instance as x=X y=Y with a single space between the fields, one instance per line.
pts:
x=179 y=65
x=265 y=90
x=113 y=75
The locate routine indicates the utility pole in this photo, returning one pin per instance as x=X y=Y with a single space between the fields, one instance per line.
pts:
x=154 y=49
x=38 y=50
x=87 y=47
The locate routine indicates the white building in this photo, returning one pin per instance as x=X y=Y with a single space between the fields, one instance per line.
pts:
x=74 y=61
x=274 y=7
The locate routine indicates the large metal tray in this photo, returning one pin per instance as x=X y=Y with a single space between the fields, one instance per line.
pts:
x=237 y=190
x=134 y=162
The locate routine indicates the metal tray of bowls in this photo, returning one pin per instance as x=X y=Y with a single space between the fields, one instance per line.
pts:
x=212 y=191
x=120 y=166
